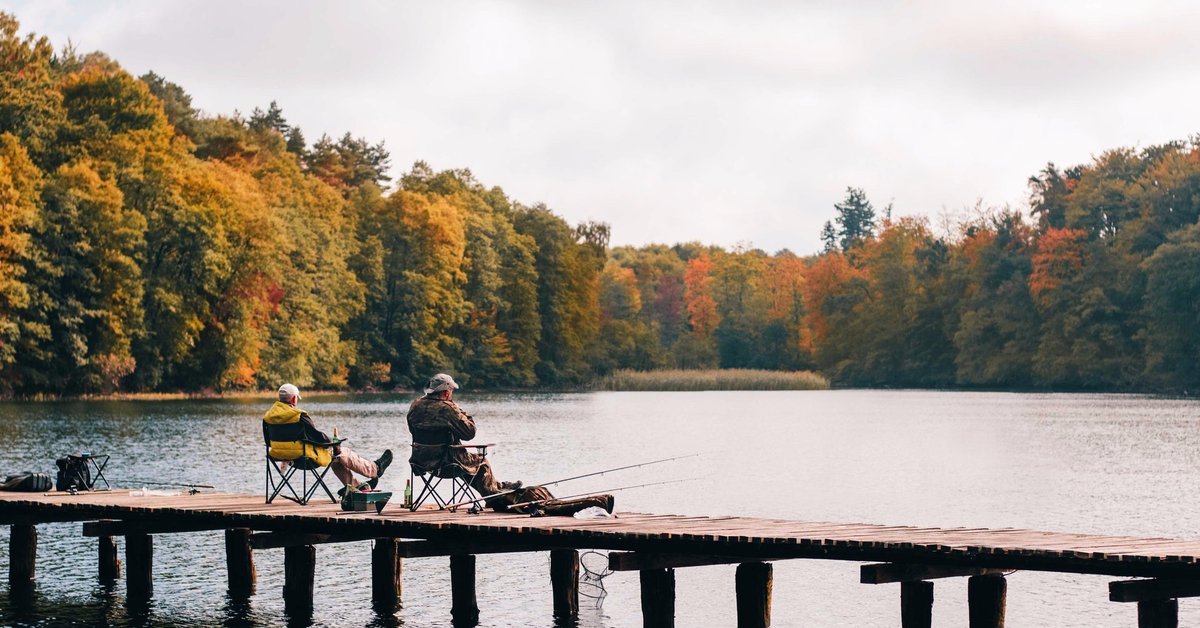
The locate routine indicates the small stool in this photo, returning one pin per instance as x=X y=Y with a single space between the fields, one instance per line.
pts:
x=97 y=462
x=81 y=472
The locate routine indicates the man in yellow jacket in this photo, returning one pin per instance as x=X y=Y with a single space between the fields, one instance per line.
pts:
x=291 y=434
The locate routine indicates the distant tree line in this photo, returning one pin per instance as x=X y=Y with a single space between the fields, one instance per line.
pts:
x=145 y=246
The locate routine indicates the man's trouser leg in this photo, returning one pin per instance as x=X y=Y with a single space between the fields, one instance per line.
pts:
x=347 y=463
x=568 y=507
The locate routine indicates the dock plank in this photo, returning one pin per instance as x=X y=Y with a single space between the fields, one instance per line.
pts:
x=752 y=538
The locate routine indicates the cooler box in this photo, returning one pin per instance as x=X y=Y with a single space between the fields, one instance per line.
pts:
x=366 y=500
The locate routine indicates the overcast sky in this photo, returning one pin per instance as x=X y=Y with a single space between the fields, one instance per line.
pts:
x=723 y=122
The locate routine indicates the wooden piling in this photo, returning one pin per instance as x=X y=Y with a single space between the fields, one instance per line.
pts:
x=1158 y=614
x=22 y=561
x=916 y=604
x=564 y=582
x=985 y=601
x=753 y=583
x=139 y=566
x=387 y=575
x=464 y=609
x=658 y=598
x=239 y=560
x=110 y=563
x=299 y=572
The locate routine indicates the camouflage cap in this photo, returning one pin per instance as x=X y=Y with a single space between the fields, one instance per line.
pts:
x=440 y=382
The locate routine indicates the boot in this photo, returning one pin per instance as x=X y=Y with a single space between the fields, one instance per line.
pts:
x=381 y=465
x=568 y=507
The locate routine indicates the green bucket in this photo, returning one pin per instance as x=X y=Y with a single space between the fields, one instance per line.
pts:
x=366 y=500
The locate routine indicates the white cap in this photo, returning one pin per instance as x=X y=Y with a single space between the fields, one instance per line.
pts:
x=440 y=382
x=287 y=391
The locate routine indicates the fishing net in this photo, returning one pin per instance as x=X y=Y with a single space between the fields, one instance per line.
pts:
x=593 y=569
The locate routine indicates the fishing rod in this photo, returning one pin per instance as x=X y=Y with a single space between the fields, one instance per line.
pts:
x=577 y=477
x=192 y=488
x=600 y=492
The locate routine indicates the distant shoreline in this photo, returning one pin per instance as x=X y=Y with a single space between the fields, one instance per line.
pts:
x=620 y=381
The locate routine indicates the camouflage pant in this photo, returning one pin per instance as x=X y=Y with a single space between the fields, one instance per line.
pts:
x=485 y=482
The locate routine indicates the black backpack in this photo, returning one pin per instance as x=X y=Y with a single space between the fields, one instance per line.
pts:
x=28 y=482
x=73 y=473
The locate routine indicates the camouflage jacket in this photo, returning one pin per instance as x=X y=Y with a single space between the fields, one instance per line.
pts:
x=434 y=424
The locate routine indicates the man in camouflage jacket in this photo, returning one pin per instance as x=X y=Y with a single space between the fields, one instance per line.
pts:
x=436 y=423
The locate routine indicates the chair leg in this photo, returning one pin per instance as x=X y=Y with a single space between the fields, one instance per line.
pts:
x=468 y=491
x=432 y=485
x=319 y=482
x=428 y=489
x=285 y=476
x=285 y=481
x=303 y=488
x=461 y=490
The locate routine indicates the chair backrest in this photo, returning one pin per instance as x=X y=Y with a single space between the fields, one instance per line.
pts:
x=434 y=460
x=297 y=450
x=300 y=462
x=285 y=437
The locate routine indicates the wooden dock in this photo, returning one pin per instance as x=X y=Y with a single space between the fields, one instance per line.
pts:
x=655 y=545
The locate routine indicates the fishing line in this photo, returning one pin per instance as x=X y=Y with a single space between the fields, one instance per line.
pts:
x=603 y=491
x=577 y=477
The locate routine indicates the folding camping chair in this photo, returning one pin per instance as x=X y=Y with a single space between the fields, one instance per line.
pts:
x=446 y=470
x=281 y=473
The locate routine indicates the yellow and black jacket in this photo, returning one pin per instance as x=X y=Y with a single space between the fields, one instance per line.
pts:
x=286 y=428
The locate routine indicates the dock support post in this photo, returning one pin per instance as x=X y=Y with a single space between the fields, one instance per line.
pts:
x=299 y=572
x=564 y=581
x=387 y=575
x=22 y=561
x=1158 y=614
x=239 y=560
x=916 y=604
x=139 y=566
x=464 y=609
x=985 y=601
x=110 y=564
x=753 y=583
x=658 y=598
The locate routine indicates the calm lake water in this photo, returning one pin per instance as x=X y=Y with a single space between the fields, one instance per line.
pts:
x=1112 y=464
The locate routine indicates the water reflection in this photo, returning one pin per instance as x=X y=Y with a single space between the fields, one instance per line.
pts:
x=238 y=613
x=385 y=620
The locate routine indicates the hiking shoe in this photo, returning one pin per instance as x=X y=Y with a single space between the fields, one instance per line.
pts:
x=382 y=463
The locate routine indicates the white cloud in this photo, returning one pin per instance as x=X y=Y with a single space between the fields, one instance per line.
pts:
x=713 y=121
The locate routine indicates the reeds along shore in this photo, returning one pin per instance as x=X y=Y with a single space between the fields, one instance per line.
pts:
x=713 y=379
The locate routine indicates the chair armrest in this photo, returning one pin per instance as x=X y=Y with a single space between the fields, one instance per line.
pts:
x=472 y=446
x=331 y=443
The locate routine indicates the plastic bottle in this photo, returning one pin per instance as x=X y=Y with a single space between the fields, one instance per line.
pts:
x=408 y=493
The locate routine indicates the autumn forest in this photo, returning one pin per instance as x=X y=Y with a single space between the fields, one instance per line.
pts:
x=146 y=246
